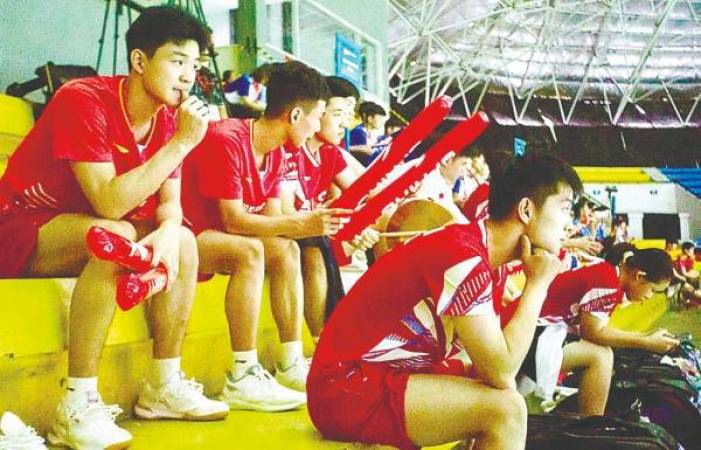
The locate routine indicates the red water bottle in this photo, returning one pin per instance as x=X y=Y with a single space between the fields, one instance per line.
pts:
x=134 y=288
x=109 y=246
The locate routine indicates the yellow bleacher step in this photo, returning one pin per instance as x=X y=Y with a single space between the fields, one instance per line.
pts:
x=16 y=119
x=33 y=360
x=590 y=174
x=640 y=317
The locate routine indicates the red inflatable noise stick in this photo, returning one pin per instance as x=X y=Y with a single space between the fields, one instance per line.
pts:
x=132 y=288
x=109 y=246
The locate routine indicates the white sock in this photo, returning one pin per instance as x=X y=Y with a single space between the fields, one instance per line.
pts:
x=291 y=351
x=80 y=390
x=242 y=361
x=163 y=370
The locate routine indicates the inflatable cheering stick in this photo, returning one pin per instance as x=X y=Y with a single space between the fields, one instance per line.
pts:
x=134 y=288
x=459 y=137
x=417 y=130
x=109 y=246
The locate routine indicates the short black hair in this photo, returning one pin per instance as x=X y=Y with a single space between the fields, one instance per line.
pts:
x=226 y=74
x=293 y=84
x=580 y=204
x=687 y=246
x=369 y=109
x=656 y=263
x=340 y=87
x=159 y=25
x=393 y=122
x=620 y=219
x=262 y=72
x=535 y=175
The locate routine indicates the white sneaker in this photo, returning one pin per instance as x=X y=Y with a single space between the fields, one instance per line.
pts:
x=88 y=426
x=257 y=390
x=295 y=376
x=179 y=399
x=15 y=435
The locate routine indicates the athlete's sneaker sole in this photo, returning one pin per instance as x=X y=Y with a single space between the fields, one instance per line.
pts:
x=151 y=414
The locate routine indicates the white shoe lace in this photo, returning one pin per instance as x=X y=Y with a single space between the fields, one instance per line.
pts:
x=188 y=389
x=25 y=438
x=96 y=410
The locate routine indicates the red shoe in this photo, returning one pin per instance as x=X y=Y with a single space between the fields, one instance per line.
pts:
x=134 y=288
x=109 y=246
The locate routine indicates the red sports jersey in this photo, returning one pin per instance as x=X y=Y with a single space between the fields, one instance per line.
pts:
x=86 y=121
x=310 y=176
x=392 y=314
x=594 y=289
x=684 y=262
x=477 y=205
x=223 y=167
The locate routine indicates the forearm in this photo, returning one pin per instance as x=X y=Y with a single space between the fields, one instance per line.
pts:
x=612 y=337
x=126 y=191
x=169 y=213
x=265 y=226
x=518 y=334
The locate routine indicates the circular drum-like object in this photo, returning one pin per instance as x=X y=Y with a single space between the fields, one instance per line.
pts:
x=413 y=215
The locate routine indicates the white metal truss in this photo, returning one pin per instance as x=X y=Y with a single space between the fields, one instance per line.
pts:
x=619 y=54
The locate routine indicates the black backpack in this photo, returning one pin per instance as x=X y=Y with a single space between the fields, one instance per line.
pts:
x=571 y=432
x=665 y=394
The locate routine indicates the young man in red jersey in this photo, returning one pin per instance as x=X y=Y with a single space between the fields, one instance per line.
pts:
x=380 y=368
x=231 y=198
x=107 y=152
x=310 y=173
x=583 y=300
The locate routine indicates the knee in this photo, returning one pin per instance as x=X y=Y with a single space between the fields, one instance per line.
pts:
x=283 y=254
x=251 y=254
x=509 y=412
x=189 y=259
x=120 y=227
x=603 y=357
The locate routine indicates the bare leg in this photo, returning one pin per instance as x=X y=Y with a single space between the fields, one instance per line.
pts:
x=282 y=263
x=597 y=362
x=241 y=256
x=315 y=289
x=441 y=409
x=60 y=252
x=169 y=311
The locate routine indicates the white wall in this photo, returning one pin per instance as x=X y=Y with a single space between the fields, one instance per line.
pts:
x=688 y=203
x=33 y=32
x=658 y=198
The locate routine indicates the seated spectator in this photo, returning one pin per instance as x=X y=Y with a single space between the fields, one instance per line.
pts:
x=583 y=300
x=584 y=220
x=392 y=128
x=619 y=229
x=685 y=264
x=246 y=94
x=383 y=371
x=364 y=137
x=107 y=152
x=231 y=198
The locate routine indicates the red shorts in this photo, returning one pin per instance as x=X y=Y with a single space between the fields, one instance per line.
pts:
x=359 y=402
x=19 y=232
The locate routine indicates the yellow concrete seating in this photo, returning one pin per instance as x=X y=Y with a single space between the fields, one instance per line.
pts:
x=590 y=174
x=16 y=119
x=33 y=339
